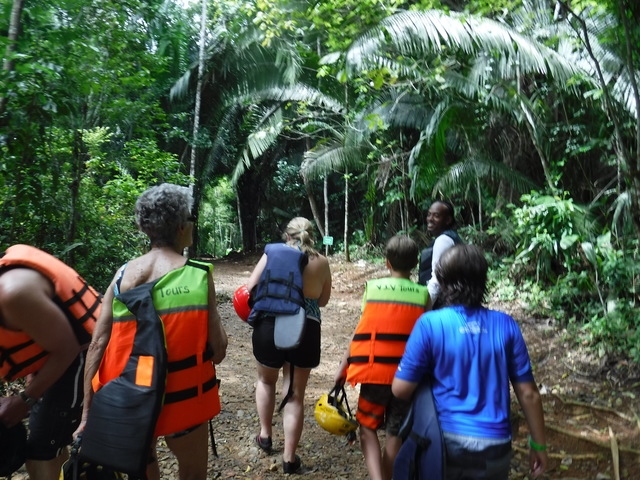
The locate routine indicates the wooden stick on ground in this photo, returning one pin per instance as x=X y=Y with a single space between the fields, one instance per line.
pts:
x=560 y=456
x=589 y=439
x=615 y=454
x=596 y=407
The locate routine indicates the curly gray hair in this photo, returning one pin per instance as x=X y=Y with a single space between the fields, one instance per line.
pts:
x=161 y=211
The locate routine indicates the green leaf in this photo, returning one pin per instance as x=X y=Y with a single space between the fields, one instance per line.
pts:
x=590 y=253
x=567 y=241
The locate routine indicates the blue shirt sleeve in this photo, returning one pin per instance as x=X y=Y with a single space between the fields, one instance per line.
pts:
x=415 y=362
x=519 y=363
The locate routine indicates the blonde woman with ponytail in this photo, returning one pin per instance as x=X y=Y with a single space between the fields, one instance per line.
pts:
x=316 y=288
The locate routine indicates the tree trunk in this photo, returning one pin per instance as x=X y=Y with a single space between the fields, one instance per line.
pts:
x=347 y=258
x=325 y=192
x=12 y=37
x=313 y=205
x=79 y=156
x=250 y=188
x=193 y=249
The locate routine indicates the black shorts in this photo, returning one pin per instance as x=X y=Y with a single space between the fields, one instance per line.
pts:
x=307 y=355
x=57 y=414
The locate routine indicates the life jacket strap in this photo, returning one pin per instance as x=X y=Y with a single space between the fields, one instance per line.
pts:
x=376 y=359
x=389 y=337
x=189 y=362
x=289 y=394
x=191 y=392
x=288 y=282
x=361 y=337
x=392 y=337
x=5 y=356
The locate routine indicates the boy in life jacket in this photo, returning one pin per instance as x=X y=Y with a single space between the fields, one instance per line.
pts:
x=47 y=316
x=391 y=306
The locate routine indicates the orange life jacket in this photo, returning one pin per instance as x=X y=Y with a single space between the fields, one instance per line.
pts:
x=391 y=307
x=19 y=354
x=181 y=300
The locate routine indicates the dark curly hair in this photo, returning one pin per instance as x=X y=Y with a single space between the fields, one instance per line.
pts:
x=462 y=275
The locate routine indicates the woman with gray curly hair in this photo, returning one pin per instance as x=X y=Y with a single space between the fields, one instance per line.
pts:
x=316 y=290
x=183 y=295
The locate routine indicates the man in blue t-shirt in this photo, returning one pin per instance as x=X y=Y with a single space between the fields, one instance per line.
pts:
x=471 y=354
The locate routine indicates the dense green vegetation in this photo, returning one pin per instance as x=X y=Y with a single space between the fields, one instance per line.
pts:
x=523 y=113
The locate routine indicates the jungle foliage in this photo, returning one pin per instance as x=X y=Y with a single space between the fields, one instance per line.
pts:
x=358 y=114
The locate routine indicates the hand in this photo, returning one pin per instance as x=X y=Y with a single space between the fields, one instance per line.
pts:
x=340 y=376
x=12 y=410
x=80 y=429
x=537 y=462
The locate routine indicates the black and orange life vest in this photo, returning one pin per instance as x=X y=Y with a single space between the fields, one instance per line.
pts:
x=180 y=299
x=19 y=354
x=391 y=307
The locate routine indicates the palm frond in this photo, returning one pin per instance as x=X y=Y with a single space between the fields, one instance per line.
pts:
x=416 y=34
x=180 y=88
x=464 y=173
x=433 y=136
x=333 y=156
x=265 y=135
x=294 y=93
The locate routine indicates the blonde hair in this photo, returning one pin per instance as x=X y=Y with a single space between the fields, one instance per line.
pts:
x=299 y=233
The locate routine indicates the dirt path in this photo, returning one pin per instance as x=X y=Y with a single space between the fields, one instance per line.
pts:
x=583 y=397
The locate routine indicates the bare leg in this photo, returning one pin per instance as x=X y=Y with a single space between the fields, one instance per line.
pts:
x=371 y=451
x=293 y=418
x=191 y=453
x=392 y=446
x=266 y=397
x=46 y=469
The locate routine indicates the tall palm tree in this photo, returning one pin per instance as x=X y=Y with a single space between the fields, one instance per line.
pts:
x=246 y=87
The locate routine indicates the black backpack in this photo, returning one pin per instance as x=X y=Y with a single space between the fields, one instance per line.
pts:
x=123 y=414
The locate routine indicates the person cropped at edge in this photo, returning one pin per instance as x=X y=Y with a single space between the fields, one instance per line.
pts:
x=316 y=280
x=441 y=226
x=471 y=354
x=163 y=214
x=390 y=308
x=38 y=312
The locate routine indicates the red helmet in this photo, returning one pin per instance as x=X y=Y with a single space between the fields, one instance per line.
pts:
x=241 y=302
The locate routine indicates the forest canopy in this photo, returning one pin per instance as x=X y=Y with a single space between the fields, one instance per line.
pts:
x=524 y=114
